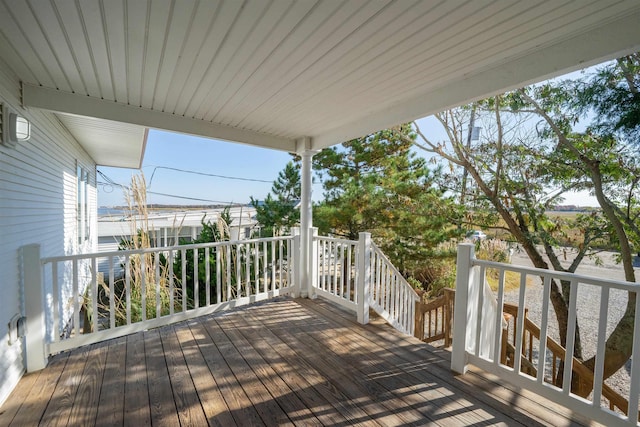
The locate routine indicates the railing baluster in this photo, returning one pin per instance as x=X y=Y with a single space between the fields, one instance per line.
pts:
x=256 y=267
x=93 y=295
x=598 y=371
x=326 y=266
x=378 y=270
x=265 y=270
x=156 y=256
x=497 y=345
x=480 y=308
x=571 y=338
x=392 y=295
x=127 y=285
x=207 y=272
x=403 y=308
x=143 y=285
x=385 y=304
x=228 y=251
x=196 y=279
x=185 y=294
x=238 y=272
x=335 y=269
x=171 y=283
x=273 y=265
x=343 y=272
x=112 y=299
x=280 y=260
x=546 y=295
x=326 y=282
x=634 y=391
x=247 y=268
x=76 y=296
x=349 y=269
x=218 y=278
x=519 y=332
x=57 y=310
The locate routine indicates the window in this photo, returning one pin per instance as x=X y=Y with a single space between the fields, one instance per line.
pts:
x=82 y=196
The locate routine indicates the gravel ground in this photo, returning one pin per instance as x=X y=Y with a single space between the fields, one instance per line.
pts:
x=588 y=307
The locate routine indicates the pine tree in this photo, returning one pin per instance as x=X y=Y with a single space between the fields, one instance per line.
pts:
x=377 y=184
x=278 y=213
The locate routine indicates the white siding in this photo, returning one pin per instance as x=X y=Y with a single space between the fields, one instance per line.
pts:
x=37 y=205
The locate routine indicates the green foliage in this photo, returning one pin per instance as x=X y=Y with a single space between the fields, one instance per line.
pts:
x=612 y=93
x=278 y=213
x=377 y=184
x=604 y=157
x=211 y=232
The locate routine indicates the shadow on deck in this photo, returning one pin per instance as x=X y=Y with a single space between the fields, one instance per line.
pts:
x=282 y=362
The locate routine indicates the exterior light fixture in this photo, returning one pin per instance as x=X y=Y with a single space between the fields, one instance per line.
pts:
x=15 y=128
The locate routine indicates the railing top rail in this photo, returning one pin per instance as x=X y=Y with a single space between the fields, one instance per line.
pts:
x=160 y=249
x=335 y=239
x=560 y=275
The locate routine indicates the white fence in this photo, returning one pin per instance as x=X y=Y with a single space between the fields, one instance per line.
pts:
x=357 y=275
x=471 y=330
x=158 y=286
x=336 y=270
x=392 y=297
x=72 y=302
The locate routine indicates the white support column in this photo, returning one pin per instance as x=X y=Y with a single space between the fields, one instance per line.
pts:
x=363 y=294
x=463 y=268
x=36 y=357
x=306 y=224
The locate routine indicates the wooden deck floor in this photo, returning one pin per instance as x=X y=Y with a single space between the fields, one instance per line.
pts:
x=284 y=362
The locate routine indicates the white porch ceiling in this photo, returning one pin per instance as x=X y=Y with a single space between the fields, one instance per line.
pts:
x=277 y=73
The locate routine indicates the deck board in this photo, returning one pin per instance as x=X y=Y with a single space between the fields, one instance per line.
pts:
x=137 y=411
x=323 y=398
x=281 y=362
x=189 y=408
x=59 y=408
x=211 y=398
x=420 y=377
x=110 y=409
x=418 y=391
x=87 y=395
x=162 y=405
x=232 y=391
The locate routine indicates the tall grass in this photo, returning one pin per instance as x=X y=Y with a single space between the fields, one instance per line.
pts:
x=145 y=286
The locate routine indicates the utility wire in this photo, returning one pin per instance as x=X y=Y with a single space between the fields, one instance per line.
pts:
x=195 y=199
x=170 y=195
x=237 y=178
x=111 y=182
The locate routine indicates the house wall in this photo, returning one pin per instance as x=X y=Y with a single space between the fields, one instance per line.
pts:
x=37 y=205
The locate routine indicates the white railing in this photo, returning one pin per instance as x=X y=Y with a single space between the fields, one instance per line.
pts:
x=336 y=270
x=392 y=297
x=345 y=271
x=153 y=287
x=472 y=326
x=72 y=302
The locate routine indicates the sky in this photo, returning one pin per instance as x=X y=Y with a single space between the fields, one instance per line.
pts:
x=202 y=155
x=255 y=167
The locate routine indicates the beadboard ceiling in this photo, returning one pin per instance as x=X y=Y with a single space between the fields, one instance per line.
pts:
x=284 y=74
